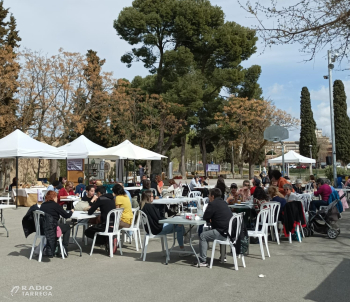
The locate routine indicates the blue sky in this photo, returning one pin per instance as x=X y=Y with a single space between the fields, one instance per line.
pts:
x=80 y=25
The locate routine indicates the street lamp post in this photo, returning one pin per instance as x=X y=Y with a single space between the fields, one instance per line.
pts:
x=310 y=157
x=331 y=60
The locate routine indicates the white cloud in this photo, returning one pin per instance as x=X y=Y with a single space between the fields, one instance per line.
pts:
x=275 y=89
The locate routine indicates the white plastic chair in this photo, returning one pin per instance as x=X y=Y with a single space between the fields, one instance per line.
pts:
x=85 y=224
x=272 y=220
x=195 y=195
x=4 y=198
x=239 y=218
x=134 y=228
x=262 y=217
x=42 y=238
x=116 y=232
x=163 y=238
x=44 y=192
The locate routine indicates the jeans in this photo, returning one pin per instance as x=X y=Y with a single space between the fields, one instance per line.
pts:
x=210 y=235
x=171 y=228
x=66 y=233
x=316 y=204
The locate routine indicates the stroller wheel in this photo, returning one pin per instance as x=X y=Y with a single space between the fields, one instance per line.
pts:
x=332 y=233
x=306 y=232
x=338 y=231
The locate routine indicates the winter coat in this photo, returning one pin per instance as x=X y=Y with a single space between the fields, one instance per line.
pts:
x=242 y=243
x=293 y=215
x=335 y=196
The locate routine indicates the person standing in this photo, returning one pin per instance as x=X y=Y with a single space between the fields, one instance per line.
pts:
x=141 y=171
x=80 y=188
x=218 y=214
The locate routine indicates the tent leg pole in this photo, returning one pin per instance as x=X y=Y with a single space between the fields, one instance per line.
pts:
x=67 y=168
x=134 y=172
x=16 y=182
x=88 y=172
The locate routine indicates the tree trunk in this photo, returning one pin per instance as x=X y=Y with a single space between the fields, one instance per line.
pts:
x=157 y=164
x=251 y=170
x=232 y=163
x=183 y=163
x=53 y=170
x=149 y=167
x=240 y=167
x=204 y=155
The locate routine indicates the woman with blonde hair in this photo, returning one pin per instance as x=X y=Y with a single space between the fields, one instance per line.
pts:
x=65 y=192
x=276 y=196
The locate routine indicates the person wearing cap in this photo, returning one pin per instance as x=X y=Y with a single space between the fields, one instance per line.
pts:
x=233 y=197
x=256 y=183
x=53 y=186
x=297 y=186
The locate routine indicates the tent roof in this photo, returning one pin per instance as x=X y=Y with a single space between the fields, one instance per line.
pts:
x=19 y=144
x=81 y=147
x=292 y=157
x=127 y=150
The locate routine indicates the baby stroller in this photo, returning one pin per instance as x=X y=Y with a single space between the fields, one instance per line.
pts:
x=324 y=221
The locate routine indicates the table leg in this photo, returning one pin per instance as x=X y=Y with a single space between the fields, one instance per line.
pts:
x=76 y=242
x=3 y=222
x=194 y=251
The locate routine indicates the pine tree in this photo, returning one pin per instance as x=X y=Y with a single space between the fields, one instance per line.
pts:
x=9 y=69
x=308 y=126
x=341 y=122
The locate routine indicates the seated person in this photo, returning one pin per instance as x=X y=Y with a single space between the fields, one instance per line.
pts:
x=278 y=181
x=245 y=191
x=205 y=181
x=153 y=215
x=146 y=186
x=288 y=193
x=65 y=192
x=172 y=185
x=53 y=186
x=328 y=182
x=105 y=202
x=126 y=192
x=275 y=195
x=313 y=182
x=160 y=183
x=123 y=201
x=87 y=200
x=61 y=182
x=51 y=207
x=324 y=191
x=297 y=186
x=80 y=188
x=234 y=196
x=220 y=184
x=256 y=183
x=218 y=214
x=194 y=183
x=13 y=185
x=260 y=197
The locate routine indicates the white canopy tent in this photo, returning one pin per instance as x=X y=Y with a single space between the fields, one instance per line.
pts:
x=18 y=144
x=127 y=150
x=292 y=157
x=81 y=148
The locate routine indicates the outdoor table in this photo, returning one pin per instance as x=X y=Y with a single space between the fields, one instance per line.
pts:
x=80 y=215
x=183 y=221
x=132 y=188
x=244 y=207
x=71 y=200
x=2 y=220
x=173 y=201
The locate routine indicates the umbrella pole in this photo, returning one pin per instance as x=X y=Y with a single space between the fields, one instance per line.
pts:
x=16 y=182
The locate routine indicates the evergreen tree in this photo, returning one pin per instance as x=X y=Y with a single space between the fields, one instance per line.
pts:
x=9 y=69
x=308 y=126
x=341 y=122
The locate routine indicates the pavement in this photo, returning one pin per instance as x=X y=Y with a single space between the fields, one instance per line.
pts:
x=317 y=269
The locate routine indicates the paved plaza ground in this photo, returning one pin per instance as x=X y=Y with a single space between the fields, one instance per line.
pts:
x=318 y=269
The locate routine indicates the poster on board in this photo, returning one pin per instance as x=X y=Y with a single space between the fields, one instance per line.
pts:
x=213 y=168
x=75 y=165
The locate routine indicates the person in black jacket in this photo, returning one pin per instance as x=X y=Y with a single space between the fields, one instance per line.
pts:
x=154 y=216
x=218 y=214
x=105 y=203
x=50 y=206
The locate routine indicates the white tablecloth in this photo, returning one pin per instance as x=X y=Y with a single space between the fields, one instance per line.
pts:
x=25 y=192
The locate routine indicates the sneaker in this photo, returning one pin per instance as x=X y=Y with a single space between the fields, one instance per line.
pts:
x=115 y=245
x=225 y=260
x=200 y=264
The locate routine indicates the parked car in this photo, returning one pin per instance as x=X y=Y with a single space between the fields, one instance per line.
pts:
x=348 y=166
x=292 y=166
x=301 y=167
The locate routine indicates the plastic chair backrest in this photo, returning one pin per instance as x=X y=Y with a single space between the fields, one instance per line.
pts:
x=272 y=208
x=144 y=220
x=37 y=215
x=117 y=215
x=154 y=191
x=194 y=194
x=239 y=218
x=83 y=193
x=134 y=211
x=138 y=218
x=44 y=192
x=185 y=190
x=262 y=217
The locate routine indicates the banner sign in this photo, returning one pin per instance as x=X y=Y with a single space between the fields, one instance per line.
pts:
x=75 y=165
x=212 y=168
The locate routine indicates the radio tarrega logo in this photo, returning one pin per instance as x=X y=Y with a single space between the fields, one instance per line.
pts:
x=14 y=290
x=32 y=291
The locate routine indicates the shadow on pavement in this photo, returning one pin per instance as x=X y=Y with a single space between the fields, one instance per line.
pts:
x=335 y=287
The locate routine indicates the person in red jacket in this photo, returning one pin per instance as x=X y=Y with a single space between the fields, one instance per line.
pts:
x=65 y=192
